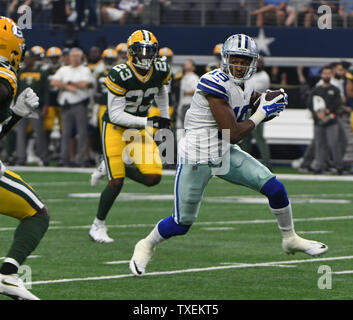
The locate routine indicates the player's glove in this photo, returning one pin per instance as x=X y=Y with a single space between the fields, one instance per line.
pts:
x=26 y=103
x=158 y=122
x=2 y=169
x=269 y=109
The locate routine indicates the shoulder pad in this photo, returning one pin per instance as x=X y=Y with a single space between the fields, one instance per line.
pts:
x=214 y=82
x=10 y=77
x=116 y=79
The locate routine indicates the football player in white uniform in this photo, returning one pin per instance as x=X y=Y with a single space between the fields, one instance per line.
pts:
x=221 y=102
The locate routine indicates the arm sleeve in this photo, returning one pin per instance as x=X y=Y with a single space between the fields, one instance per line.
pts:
x=117 y=115
x=162 y=101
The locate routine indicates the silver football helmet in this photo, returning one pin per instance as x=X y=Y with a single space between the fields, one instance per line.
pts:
x=239 y=45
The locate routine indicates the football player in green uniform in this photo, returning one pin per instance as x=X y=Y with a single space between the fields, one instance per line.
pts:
x=110 y=58
x=18 y=199
x=132 y=88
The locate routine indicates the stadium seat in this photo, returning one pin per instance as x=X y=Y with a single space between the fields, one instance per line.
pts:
x=181 y=17
x=221 y=17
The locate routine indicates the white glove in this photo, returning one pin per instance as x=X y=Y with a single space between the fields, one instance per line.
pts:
x=269 y=109
x=2 y=169
x=26 y=103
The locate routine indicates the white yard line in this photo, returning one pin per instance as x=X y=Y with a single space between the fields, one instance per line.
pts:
x=235 y=266
x=313 y=232
x=305 y=177
x=117 y=262
x=234 y=222
x=29 y=257
x=227 y=199
x=343 y=272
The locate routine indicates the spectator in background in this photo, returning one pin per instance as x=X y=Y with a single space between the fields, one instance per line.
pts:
x=32 y=76
x=65 y=60
x=267 y=9
x=134 y=9
x=94 y=61
x=60 y=16
x=260 y=82
x=349 y=96
x=187 y=88
x=343 y=114
x=294 y=9
x=217 y=54
x=325 y=102
x=312 y=14
x=15 y=8
x=346 y=12
x=303 y=164
x=52 y=114
x=92 y=16
x=121 y=49
x=111 y=13
x=122 y=10
x=73 y=82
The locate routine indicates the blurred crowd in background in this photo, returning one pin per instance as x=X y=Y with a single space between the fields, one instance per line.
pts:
x=66 y=135
x=92 y=13
x=63 y=135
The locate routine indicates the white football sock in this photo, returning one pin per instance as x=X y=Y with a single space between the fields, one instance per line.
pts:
x=285 y=220
x=99 y=222
x=154 y=237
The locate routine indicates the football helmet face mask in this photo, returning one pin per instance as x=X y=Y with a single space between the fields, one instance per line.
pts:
x=121 y=49
x=142 y=49
x=110 y=58
x=167 y=54
x=12 y=43
x=54 y=55
x=239 y=45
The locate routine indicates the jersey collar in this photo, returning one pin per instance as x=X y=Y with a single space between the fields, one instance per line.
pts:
x=144 y=78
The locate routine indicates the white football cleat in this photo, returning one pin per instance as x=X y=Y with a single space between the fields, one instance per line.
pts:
x=98 y=174
x=142 y=255
x=11 y=285
x=98 y=232
x=298 y=244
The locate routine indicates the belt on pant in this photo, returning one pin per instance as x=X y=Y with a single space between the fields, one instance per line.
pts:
x=70 y=105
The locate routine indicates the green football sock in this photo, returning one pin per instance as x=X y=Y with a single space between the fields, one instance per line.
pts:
x=106 y=201
x=134 y=173
x=27 y=237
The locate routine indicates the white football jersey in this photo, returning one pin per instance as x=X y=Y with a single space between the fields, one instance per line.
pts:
x=201 y=143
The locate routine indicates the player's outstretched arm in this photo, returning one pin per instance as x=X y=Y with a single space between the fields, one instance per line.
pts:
x=225 y=117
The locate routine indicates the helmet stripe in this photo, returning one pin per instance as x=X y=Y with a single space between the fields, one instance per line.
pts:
x=146 y=35
x=246 y=42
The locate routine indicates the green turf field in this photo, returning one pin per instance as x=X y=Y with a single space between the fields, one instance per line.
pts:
x=232 y=252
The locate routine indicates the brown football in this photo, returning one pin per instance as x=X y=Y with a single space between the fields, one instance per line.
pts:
x=269 y=96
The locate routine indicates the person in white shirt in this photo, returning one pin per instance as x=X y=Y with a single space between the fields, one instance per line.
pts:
x=74 y=82
x=187 y=88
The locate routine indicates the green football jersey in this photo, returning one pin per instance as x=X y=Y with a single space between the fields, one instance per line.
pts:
x=53 y=91
x=9 y=79
x=102 y=90
x=37 y=80
x=139 y=91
